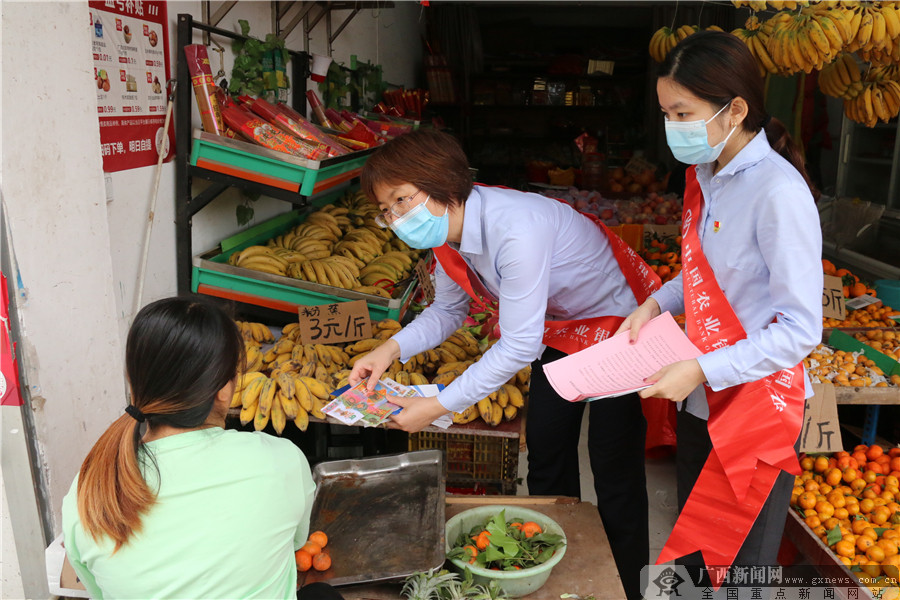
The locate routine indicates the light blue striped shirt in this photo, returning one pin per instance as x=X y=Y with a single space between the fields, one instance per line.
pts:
x=766 y=256
x=543 y=260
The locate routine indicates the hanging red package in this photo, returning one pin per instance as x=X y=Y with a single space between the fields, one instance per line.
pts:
x=204 y=88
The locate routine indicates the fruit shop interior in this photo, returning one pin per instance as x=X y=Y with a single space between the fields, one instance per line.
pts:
x=556 y=98
x=560 y=99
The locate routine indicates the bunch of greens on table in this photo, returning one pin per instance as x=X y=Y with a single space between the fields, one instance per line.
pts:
x=506 y=546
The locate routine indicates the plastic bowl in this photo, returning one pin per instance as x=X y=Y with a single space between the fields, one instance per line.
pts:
x=514 y=583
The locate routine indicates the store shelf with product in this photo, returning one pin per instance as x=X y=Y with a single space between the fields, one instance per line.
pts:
x=542 y=76
x=314 y=170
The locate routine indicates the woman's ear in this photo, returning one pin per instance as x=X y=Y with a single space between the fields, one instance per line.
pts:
x=224 y=396
x=738 y=111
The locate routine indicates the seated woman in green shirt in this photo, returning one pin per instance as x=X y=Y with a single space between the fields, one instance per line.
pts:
x=169 y=504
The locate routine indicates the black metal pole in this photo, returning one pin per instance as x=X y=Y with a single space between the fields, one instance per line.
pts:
x=183 y=91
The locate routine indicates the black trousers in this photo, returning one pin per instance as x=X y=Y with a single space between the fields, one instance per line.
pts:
x=762 y=543
x=616 y=433
x=318 y=591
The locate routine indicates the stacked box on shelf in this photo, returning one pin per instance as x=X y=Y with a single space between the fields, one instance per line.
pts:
x=474 y=462
x=212 y=275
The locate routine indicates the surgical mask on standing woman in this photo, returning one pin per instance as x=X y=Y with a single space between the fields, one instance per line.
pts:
x=689 y=141
x=420 y=229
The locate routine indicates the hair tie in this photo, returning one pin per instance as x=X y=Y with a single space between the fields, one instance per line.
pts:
x=135 y=413
x=766 y=121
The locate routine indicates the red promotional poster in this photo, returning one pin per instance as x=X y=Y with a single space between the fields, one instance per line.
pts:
x=9 y=372
x=130 y=44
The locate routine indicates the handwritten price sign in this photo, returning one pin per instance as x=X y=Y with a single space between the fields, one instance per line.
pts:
x=821 y=430
x=333 y=323
x=833 y=306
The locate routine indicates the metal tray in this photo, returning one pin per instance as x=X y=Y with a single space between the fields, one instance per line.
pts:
x=384 y=517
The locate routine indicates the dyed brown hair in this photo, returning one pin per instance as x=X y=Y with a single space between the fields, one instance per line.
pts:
x=180 y=352
x=431 y=160
x=718 y=67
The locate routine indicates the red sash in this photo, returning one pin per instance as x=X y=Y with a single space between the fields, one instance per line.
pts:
x=753 y=426
x=573 y=335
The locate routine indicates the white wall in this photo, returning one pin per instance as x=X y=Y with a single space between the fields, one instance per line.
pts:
x=77 y=252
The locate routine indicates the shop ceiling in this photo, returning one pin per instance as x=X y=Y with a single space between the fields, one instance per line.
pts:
x=286 y=16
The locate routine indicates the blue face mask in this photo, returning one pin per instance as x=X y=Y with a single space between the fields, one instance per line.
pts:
x=420 y=229
x=689 y=143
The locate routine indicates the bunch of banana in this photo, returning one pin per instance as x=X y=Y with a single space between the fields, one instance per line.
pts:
x=841 y=79
x=666 y=38
x=876 y=26
x=786 y=4
x=882 y=72
x=386 y=270
x=878 y=101
x=259 y=258
x=757 y=40
x=255 y=332
x=502 y=404
x=753 y=4
x=336 y=271
x=808 y=39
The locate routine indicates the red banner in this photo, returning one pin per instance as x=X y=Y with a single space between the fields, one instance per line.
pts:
x=131 y=68
x=752 y=426
x=9 y=370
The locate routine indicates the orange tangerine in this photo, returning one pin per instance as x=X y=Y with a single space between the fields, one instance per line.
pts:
x=863 y=543
x=806 y=500
x=833 y=476
x=849 y=475
x=824 y=508
x=821 y=464
x=813 y=521
x=875 y=553
x=889 y=546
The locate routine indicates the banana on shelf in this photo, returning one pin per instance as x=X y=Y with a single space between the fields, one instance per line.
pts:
x=286 y=380
x=339 y=245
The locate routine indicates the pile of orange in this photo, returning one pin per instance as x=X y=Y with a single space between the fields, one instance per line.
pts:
x=852 y=498
x=312 y=555
x=853 y=287
x=886 y=342
x=874 y=315
x=848 y=369
x=664 y=257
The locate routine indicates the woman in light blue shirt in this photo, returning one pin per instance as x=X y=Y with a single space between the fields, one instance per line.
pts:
x=168 y=504
x=759 y=230
x=543 y=261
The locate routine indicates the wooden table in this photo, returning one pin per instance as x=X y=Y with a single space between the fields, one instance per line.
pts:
x=587 y=568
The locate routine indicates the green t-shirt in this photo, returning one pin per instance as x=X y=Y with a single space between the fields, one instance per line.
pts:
x=232 y=508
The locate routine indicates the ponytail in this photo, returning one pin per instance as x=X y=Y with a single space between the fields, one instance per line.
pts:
x=179 y=354
x=112 y=491
x=782 y=143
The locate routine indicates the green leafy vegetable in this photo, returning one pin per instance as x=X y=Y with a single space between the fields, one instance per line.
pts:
x=509 y=548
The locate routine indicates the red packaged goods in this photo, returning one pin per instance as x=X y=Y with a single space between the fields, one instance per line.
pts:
x=269 y=136
x=274 y=116
x=204 y=88
x=315 y=103
x=361 y=133
x=338 y=122
x=311 y=131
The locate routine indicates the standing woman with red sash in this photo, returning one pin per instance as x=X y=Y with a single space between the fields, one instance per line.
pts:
x=561 y=281
x=750 y=287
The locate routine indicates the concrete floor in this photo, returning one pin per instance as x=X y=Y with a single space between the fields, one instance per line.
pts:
x=661 y=492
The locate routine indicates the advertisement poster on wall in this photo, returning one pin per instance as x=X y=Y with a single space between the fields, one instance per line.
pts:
x=130 y=44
